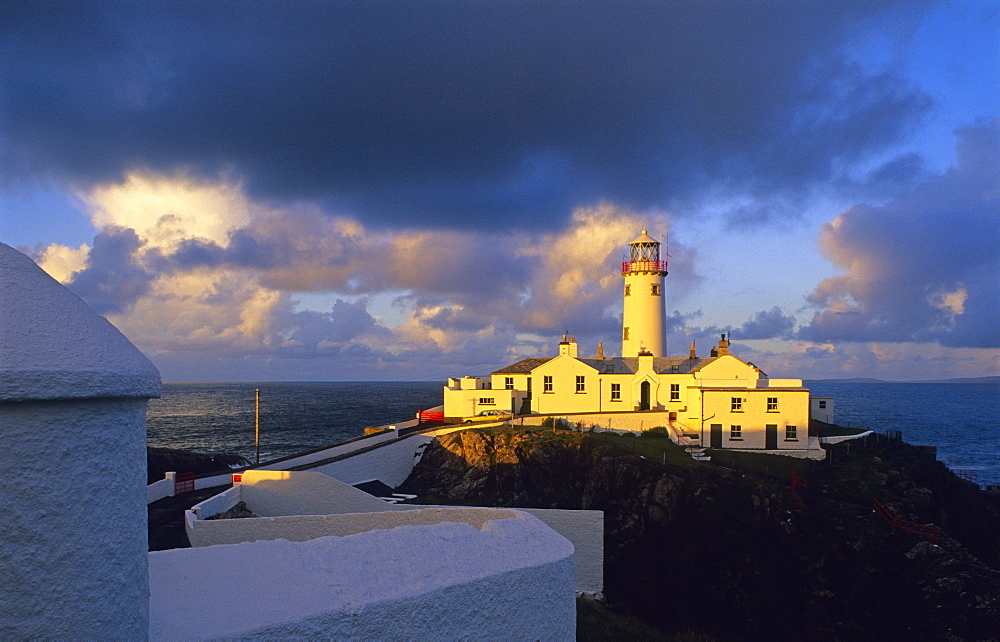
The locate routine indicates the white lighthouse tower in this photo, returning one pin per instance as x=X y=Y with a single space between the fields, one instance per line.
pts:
x=643 y=319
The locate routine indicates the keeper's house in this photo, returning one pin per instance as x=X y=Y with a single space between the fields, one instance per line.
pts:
x=717 y=401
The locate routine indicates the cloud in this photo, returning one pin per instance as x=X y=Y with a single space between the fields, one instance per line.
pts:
x=766 y=325
x=462 y=115
x=924 y=266
x=203 y=268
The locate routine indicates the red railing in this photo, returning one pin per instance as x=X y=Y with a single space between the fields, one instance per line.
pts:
x=967 y=475
x=426 y=416
x=643 y=266
x=798 y=481
x=896 y=522
x=183 y=483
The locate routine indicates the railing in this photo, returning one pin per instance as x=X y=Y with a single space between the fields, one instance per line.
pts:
x=681 y=440
x=895 y=522
x=967 y=475
x=643 y=266
x=798 y=481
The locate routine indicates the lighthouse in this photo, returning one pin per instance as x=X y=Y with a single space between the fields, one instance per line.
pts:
x=643 y=318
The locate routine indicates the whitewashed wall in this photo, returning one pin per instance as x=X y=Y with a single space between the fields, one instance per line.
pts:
x=73 y=393
x=293 y=506
x=511 y=579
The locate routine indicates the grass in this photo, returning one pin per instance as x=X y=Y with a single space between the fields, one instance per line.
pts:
x=595 y=622
x=774 y=466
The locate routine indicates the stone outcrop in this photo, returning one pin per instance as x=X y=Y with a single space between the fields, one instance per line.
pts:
x=697 y=547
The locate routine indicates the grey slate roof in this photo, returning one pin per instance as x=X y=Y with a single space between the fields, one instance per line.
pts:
x=617 y=365
x=524 y=366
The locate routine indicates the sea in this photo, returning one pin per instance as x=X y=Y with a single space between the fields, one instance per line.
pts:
x=219 y=418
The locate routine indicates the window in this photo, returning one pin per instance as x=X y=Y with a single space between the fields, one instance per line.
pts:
x=822 y=403
x=616 y=392
x=628 y=290
x=736 y=433
x=508 y=383
x=737 y=405
x=547 y=383
x=581 y=384
x=625 y=334
x=675 y=392
x=487 y=401
x=790 y=433
x=772 y=404
x=656 y=290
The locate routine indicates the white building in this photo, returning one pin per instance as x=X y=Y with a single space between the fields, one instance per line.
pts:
x=716 y=401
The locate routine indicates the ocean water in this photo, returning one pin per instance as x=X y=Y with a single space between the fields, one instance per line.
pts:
x=959 y=418
x=218 y=418
x=213 y=418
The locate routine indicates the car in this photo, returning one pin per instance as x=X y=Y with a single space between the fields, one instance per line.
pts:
x=490 y=415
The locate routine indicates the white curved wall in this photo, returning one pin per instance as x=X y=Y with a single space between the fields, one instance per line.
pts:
x=73 y=392
x=510 y=579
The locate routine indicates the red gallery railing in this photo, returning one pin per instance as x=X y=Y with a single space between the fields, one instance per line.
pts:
x=643 y=266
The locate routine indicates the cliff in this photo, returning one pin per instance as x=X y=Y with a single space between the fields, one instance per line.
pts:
x=697 y=547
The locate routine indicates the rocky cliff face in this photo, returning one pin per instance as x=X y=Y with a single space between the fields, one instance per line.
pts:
x=694 y=546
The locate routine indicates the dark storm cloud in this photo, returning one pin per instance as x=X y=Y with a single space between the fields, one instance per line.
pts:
x=112 y=279
x=922 y=267
x=446 y=113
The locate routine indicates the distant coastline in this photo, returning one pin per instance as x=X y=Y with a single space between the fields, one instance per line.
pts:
x=959 y=380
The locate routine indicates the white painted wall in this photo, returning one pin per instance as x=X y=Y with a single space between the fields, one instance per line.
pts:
x=295 y=506
x=512 y=578
x=73 y=393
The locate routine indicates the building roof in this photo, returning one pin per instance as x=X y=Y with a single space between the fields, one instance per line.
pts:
x=524 y=366
x=661 y=365
x=617 y=365
x=644 y=238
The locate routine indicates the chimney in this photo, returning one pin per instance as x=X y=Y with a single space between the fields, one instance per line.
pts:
x=600 y=350
x=693 y=354
x=723 y=346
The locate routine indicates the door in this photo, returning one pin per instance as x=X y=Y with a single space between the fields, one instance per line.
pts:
x=644 y=396
x=716 y=436
x=771 y=437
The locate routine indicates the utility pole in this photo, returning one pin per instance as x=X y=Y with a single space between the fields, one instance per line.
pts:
x=256 y=428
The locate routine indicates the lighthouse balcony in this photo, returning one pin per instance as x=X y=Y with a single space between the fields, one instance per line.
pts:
x=633 y=267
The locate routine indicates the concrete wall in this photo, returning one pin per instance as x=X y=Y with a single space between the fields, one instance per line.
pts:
x=295 y=506
x=509 y=578
x=73 y=393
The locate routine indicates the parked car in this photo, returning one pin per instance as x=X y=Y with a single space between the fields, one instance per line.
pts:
x=490 y=415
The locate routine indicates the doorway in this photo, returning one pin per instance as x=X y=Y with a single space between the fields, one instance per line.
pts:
x=771 y=437
x=644 y=396
x=716 y=441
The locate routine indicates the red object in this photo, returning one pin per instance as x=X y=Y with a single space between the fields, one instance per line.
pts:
x=431 y=415
x=237 y=479
x=896 y=522
x=643 y=266
x=183 y=483
x=799 y=480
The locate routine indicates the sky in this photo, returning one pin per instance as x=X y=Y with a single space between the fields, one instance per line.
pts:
x=407 y=191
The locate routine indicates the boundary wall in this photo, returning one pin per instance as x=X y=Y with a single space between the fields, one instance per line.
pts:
x=436 y=573
x=303 y=505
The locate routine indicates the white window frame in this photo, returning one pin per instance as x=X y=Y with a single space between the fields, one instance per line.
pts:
x=616 y=392
x=791 y=433
x=581 y=384
x=547 y=384
x=772 y=404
